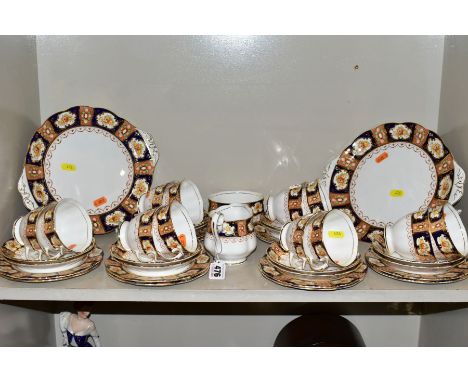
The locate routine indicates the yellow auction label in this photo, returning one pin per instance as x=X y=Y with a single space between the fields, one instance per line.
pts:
x=397 y=193
x=336 y=234
x=68 y=167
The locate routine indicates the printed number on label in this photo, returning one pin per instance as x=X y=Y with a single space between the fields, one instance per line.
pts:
x=217 y=270
x=68 y=167
x=397 y=193
x=336 y=234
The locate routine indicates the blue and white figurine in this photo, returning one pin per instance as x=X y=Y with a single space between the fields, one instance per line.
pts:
x=77 y=329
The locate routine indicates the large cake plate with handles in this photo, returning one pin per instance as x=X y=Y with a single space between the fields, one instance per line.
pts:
x=390 y=171
x=93 y=156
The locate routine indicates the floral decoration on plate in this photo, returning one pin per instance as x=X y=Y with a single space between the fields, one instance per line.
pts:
x=385 y=137
x=78 y=119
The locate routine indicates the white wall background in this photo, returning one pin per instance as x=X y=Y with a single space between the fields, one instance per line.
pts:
x=19 y=117
x=246 y=112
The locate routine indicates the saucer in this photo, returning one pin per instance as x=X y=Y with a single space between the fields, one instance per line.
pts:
x=14 y=252
x=92 y=261
x=199 y=268
x=275 y=249
x=416 y=274
x=330 y=282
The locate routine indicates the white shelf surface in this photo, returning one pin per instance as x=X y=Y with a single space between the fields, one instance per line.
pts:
x=243 y=283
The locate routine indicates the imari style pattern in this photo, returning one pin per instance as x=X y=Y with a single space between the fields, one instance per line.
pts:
x=447 y=274
x=165 y=194
x=295 y=201
x=86 y=118
x=313 y=198
x=256 y=207
x=199 y=268
x=316 y=235
x=166 y=230
x=297 y=239
x=92 y=261
x=354 y=274
x=237 y=228
x=429 y=234
x=380 y=137
x=49 y=227
x=31 y=230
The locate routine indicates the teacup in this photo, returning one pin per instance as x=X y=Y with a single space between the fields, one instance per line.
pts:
x=185 y=192
x=297 y=201
x=428 y=235
x=253 y=200
x=231 y=237
x=162 y=233
x=322 y=237
x=56 y=228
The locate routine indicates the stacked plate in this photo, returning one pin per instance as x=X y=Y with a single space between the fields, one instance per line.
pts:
x=274 y=266
x=125 y=266
x=17 y=265
x=268 y=230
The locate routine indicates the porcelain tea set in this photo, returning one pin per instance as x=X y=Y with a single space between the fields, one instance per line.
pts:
x=89 y=172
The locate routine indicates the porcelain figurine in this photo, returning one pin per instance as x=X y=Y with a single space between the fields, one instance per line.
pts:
x=77 y=329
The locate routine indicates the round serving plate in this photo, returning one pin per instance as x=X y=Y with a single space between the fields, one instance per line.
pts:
x=409 y=274
x=127 y=257
x=93 y=156
x=282 y=277
x=15 y=253
x=92 y=261
x=199 y=268
x=390 y=171
x=275 y=250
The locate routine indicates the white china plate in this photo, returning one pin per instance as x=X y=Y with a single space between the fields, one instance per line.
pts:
x=93 y=156
x=390 y=171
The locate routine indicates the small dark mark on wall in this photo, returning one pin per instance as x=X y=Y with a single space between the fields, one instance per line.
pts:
x=356 y=67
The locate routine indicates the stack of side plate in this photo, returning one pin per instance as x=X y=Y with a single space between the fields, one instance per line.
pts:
x=268 y=230
x=15 y=265
x=416 y=272
x=274 y=269
x=125 y=267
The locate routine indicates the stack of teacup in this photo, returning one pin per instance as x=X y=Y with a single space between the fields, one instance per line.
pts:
x=54 y=238
x=430 y=242
x=314 y=241
x=161 y=240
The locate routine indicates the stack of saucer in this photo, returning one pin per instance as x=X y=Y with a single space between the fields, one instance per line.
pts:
x=16 y=266
x=51 y=243
x=158 y=247
x=315 y=252
x=124 y=266
x=427 y=247
x=268 y=230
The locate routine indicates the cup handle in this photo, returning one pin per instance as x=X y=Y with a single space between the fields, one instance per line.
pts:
x=216 y=220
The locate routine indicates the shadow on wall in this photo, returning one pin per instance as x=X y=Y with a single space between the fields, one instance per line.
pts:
x=25 y=327
x=13 y=148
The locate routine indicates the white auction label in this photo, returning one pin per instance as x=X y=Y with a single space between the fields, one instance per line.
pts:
x=217 y=270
